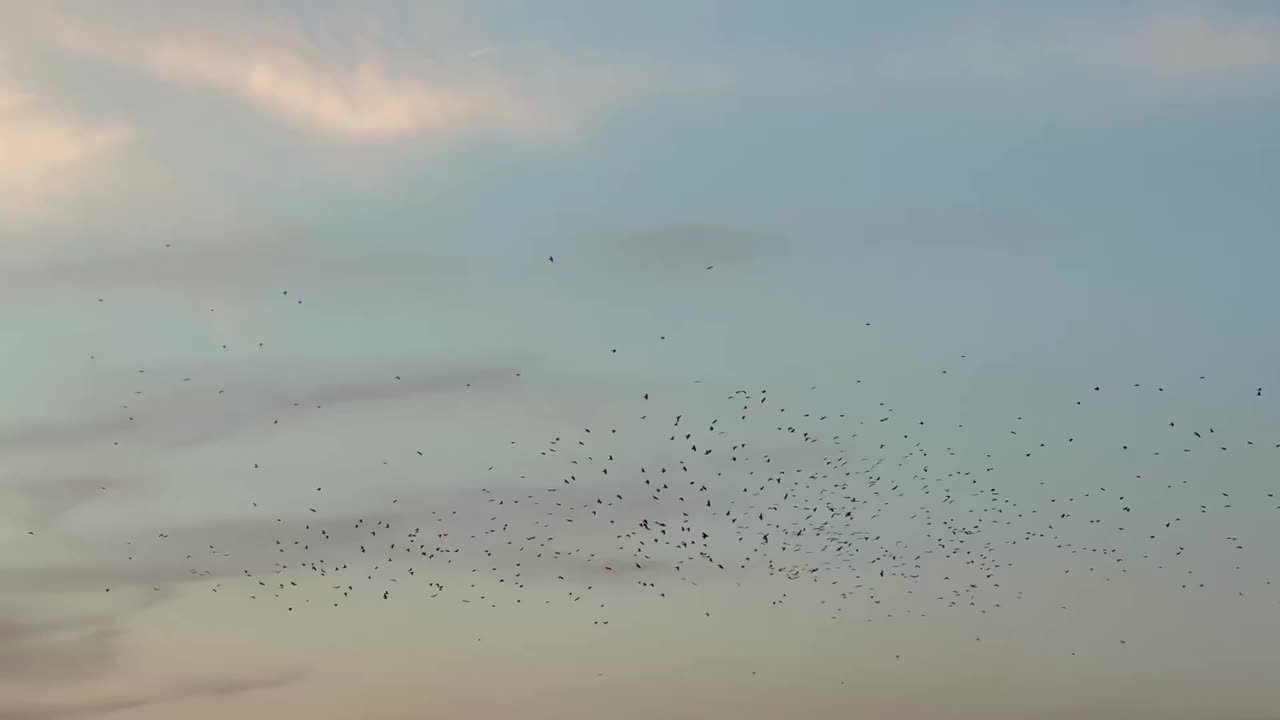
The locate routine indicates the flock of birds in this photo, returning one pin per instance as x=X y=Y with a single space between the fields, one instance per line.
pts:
x=862 y=510
x=850 y=506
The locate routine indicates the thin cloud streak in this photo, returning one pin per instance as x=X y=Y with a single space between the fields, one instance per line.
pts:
x=232 y=266
x=238 y=545
x=184 y=419
x=52 y=648
x=45 y=652
x=48 y=500
x=244 y=547
x=214 y=686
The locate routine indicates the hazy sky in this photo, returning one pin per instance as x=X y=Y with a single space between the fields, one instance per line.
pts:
x=1068 y=194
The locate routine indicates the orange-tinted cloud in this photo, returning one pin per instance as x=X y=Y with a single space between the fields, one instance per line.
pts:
x=362 y=96
x=43 y=150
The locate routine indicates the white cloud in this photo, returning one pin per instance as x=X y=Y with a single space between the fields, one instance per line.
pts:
x=43 y=151
x=317 y=80
x=363 y=93
x=357 y=96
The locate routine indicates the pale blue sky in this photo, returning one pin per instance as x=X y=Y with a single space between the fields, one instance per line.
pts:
x=1066 y=193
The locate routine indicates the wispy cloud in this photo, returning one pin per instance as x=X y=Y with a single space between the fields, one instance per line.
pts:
x=354 y=88
x=213 y=686
x=156 y=561
x=363 y=95
x=48 y=500
x=186 y=417
x=41 y=652
x=51 y=647
x=43 y=150
x=248 y=262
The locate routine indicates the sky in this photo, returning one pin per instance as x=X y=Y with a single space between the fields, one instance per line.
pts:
x=250 y=248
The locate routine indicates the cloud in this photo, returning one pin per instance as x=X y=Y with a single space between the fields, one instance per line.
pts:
x=43 y=151
x=65 y=650
x=185 y=417
x=558 y=524
x=227 y=272
x=363 y=88
x=244 y=263
x=245 y=552
x=364 y=95
x=141 y=559
x=51 y=648
x=84 y=576
x=47 y=500
x=214 y=686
